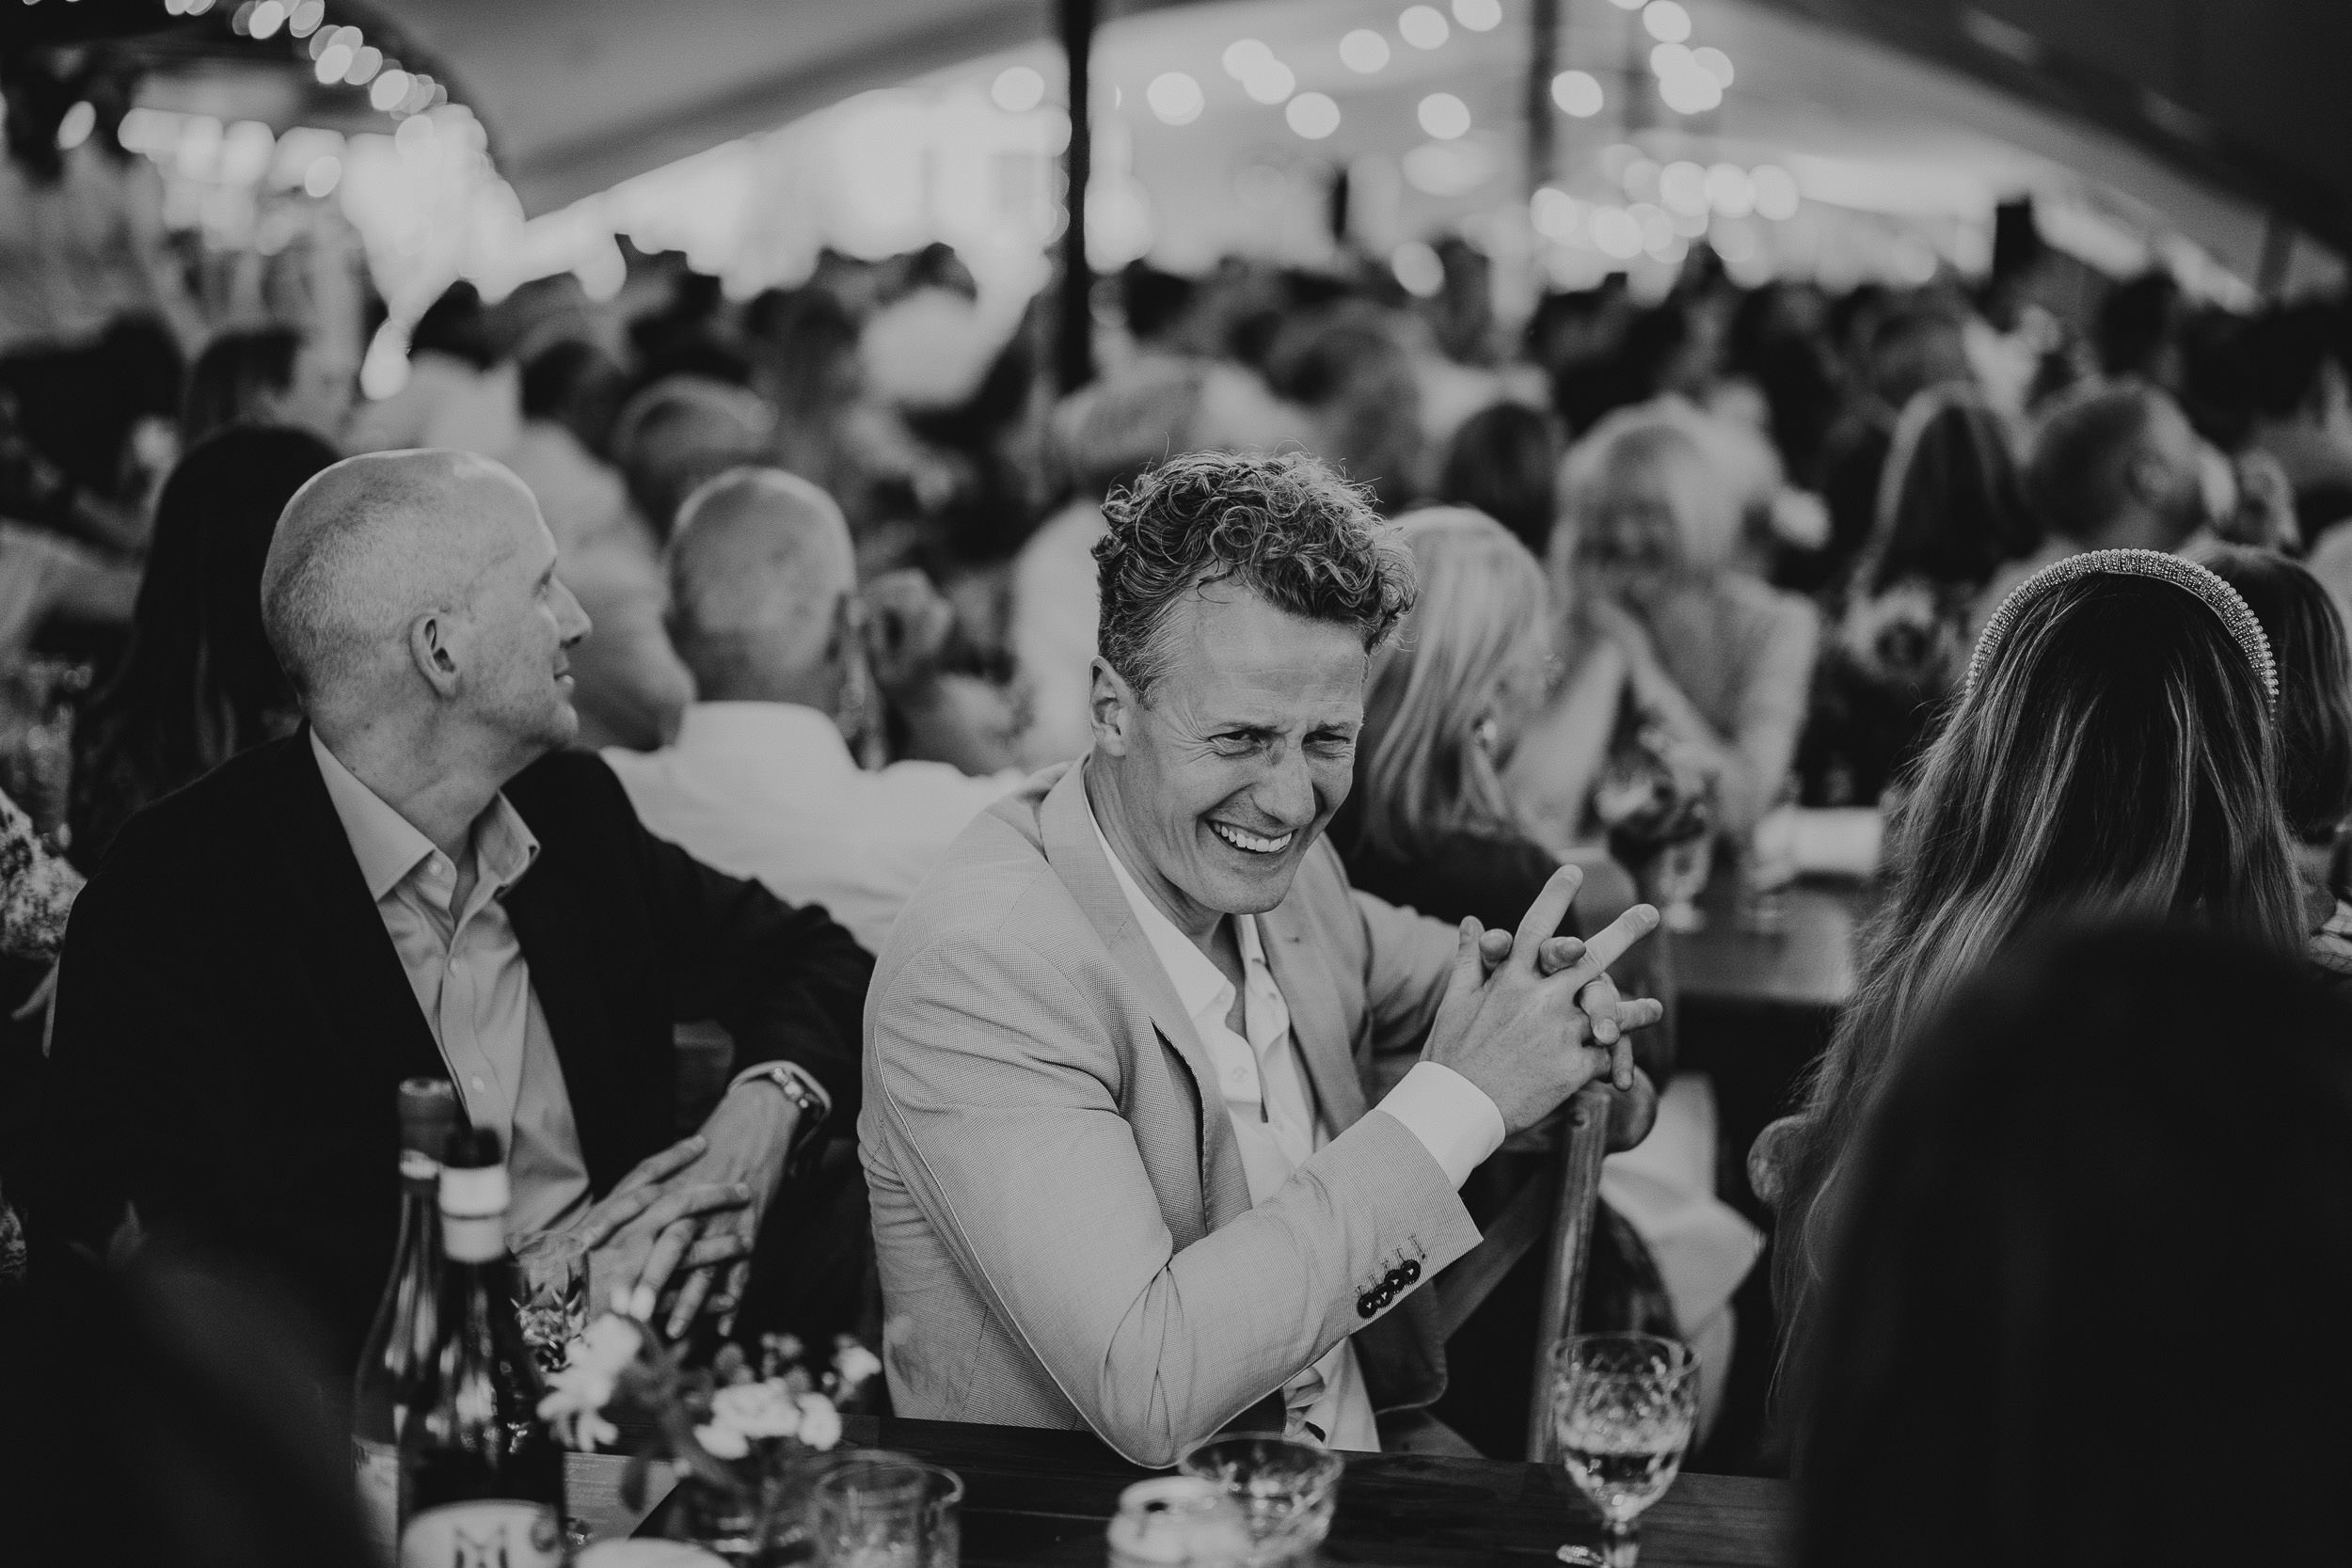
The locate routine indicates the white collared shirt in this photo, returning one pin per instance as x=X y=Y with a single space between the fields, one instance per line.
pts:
x=467 y=969
x=1277 y=1126
x=769 y=791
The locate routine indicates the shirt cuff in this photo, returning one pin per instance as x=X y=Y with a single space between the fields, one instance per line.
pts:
x=1453 y=1118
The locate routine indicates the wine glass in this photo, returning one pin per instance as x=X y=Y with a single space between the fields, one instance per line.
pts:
x=551 y=1293
x=1623 y=1405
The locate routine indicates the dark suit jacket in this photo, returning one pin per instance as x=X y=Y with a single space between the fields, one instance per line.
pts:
x=232 y=1019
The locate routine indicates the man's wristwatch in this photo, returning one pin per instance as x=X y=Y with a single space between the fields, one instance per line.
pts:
x=795 y=1085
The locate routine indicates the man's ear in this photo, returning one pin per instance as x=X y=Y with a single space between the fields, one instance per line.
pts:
x=430 y=648
x=1110 y=709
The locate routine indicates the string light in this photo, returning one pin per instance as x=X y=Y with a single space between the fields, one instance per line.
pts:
x=1017 y=88
x=1312 y=115
x=1576 y=93
x=1444 y=116
x=1175 y=97
x=1363 y=51
x=1479 y=16
x=1422 y=27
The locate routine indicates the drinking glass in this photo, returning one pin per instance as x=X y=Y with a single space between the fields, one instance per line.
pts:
x=551 y=1279
x=1680 y=875
x=882 y=1509
x=1623 y=1405
x=1287 y=1489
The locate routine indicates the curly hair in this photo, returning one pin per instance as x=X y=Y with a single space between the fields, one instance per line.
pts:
x=1285 y=526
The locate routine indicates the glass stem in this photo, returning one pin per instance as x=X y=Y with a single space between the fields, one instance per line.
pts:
x=1621 y=1544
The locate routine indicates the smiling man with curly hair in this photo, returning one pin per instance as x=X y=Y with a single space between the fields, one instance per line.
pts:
x=1131 y=1162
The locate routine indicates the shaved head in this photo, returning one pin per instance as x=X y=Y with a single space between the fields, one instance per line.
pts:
x=759 y=569
x=371 y=543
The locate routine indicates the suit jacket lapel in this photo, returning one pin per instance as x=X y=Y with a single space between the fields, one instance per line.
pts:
x=360 y=983
x=1073 y=849
x=1317 y=1023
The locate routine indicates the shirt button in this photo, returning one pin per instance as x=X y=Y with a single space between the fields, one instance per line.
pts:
x=480 y=1084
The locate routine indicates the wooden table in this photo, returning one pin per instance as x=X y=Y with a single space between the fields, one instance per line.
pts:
x=1807 y=963
x=1039 y=1499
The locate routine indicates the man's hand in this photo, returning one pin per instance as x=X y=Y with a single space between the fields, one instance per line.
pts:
x=673 y=1237
x=1548 y=1020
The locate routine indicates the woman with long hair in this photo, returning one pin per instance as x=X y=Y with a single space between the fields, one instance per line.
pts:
x=2307 y=639
x=270 y=375
x=1648 y=563
x=1430 y=824
x=1951 y=511
x=199 y=684
x=2113 y=753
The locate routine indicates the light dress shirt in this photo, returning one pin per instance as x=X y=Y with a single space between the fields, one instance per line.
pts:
x=1277 y=1126
x=472 y=986
x=769 y=791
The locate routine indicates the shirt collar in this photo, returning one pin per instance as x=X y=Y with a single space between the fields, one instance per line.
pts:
x=782 y=730
x=1201 y=985
x=389 y=847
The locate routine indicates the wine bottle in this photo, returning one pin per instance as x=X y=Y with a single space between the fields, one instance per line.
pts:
x=482 y=1477
x=402 y=1335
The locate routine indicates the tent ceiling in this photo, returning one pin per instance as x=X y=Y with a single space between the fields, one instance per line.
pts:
x=2239 y=94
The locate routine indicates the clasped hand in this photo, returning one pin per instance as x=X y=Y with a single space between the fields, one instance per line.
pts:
x=690 y=1216
x=1515 y=999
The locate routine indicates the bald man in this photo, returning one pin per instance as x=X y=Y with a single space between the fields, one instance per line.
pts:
x=422 y=883
x=764 y=611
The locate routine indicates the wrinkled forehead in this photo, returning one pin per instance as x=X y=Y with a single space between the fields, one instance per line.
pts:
x=1236 y=661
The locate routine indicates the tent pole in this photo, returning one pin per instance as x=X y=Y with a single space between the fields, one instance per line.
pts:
x=1542 y=59
x=1074 y=337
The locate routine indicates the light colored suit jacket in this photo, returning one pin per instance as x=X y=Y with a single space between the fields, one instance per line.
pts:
x=1060 y=1215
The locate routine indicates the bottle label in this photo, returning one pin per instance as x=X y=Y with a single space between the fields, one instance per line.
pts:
x=375 y=1471
x=417 y=1166
x=493 y=1533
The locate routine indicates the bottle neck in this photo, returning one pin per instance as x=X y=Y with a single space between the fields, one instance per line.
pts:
x=474 y=1237
x=473 y=1212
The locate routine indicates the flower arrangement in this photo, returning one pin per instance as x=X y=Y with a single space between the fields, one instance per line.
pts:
x=1652 y=794
x=1905 y=638
x=744 y=1439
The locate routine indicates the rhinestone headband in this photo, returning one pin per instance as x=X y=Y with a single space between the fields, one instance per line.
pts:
x=2218 y=597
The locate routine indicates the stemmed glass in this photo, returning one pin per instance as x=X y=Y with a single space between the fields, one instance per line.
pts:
x=1623 y=1406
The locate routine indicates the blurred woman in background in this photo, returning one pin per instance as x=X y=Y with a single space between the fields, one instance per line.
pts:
x=2113 y=755
x=199 y=684
x=1647 y=559
x=1430 y=824
x=1951 y=511
x=2307 y=639
x=2074 y=1260
x=271 y=376
x=1505 y=460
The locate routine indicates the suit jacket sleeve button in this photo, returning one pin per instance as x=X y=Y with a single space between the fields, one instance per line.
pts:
x=1411 y=1271
x=1366 y=1305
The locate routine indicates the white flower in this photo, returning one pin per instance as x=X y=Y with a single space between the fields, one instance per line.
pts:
x=821 y=1424
x=723 y=1442
x=610 y=1343
x=755 y=1409
x=856 y=1364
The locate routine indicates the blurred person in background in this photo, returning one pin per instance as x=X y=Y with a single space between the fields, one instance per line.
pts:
x=458 y=394
x=37 y=893
x=2110 y=467
x=1348 y=366
x=680 y=431
x=2314 y=724
x=631 y=686
x=2058 y=1217
x=1430 y=826
x=1504 y=461
x=1951 y=512
x=1107 y=435
x=82 y=236
x=760 y=782
x=2138 y=331
x=2303 y=412
x=1646 y=558
x=199 y=684
x=1919 y=343
x=2114 y=757
x=269 y=376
